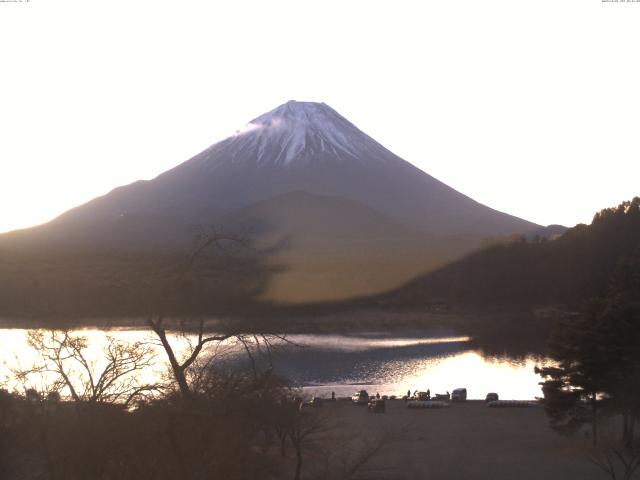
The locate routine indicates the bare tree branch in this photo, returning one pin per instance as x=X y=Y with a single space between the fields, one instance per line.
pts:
x=64 y=356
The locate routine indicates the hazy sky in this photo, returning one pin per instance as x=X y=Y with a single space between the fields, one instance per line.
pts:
x=531 y=107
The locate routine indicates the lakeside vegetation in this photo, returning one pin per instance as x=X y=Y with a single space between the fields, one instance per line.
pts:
x=74 y=418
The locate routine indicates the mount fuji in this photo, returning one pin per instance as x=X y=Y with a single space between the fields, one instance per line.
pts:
x=357 y=218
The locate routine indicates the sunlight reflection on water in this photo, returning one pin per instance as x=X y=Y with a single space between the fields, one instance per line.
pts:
x=341 y=363
x=392 y=366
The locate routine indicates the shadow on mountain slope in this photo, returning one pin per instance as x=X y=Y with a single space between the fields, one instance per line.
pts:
x=339 y=249
x=80 y=288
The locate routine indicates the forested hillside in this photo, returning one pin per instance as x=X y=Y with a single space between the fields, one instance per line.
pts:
x=576 y=266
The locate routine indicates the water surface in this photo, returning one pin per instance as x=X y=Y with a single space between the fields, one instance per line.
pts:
x=321 y=364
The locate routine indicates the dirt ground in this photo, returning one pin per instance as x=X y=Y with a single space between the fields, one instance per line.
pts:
x=466 y=441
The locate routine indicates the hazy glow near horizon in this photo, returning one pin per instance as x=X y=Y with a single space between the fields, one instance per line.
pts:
x=528 y=107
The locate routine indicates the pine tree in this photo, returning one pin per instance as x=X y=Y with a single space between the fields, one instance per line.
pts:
x=599 y=359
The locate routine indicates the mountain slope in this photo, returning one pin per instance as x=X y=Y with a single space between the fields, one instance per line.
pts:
x=331 y=248
x=349 y=217
x=297 y=146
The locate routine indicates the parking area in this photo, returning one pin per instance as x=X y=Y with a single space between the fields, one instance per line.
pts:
x=466 y=440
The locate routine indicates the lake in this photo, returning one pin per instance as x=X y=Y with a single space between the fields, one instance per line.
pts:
x=390 y=364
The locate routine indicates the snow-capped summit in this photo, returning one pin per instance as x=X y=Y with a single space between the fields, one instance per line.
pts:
x=300 y=132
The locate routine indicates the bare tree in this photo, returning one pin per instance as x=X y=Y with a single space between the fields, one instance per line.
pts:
x=306 y=429
x=216 y=240
x=179 y=368
x=618 y=460
x=112 y=378
x=321 y=446
x=184 y=363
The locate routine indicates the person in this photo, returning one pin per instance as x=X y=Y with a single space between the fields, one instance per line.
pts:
x=378 y=395
x=428 y=394
x=408 y=393
x=333 y=396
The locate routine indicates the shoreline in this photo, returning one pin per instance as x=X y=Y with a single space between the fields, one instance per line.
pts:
x=496 y=332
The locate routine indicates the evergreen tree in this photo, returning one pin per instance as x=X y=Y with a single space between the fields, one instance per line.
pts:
x=599 y=359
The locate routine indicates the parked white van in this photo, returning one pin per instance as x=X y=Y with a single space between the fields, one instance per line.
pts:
x=459 y=395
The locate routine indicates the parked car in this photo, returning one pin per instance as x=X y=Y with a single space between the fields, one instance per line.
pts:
x=377 y=405
x=360 y=398
x=459 y=395
x=421 y=396
x=491 y=397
